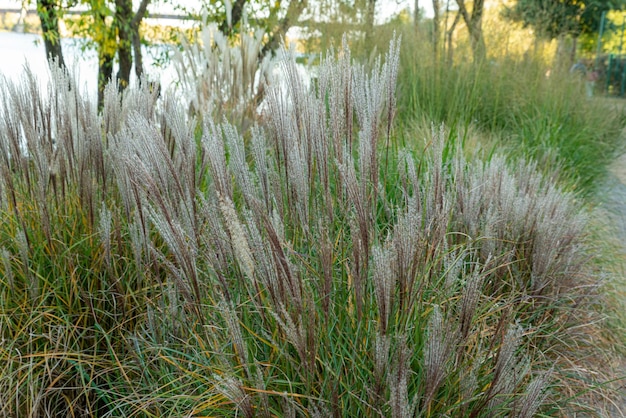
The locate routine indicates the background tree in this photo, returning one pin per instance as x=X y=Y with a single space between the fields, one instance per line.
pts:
x=566 y=17
x=113 y=29
x=436 y=28
x=416 y=13
x=370 y=11
x=562 y=19
x=274 y=17
x=136 y=37
x=114 y=32
x=449 y=33
x=473 y=20
x=48 y=11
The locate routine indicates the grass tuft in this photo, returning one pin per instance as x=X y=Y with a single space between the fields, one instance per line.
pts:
x=155 y=266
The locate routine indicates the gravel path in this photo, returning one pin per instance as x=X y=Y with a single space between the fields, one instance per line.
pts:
x=613 y=199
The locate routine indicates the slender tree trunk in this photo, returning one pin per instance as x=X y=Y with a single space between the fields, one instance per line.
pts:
x=449 y=35
x=105 y=66
x=370 y=12
x=479 y=49
x=478 y=41
x=105 y=74
x=136 y=22
x=49 y=17
x=436 y=28
x=416 y=13
x=295 y=9
x=123 y=19
x=236 y=14
x=138 y=55
x=474 y=27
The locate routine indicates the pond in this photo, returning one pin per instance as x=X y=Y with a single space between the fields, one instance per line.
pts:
x=18 y=50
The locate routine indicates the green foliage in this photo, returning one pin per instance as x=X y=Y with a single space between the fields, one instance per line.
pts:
x=95 y=30
x=555 y=18
x=612 y=37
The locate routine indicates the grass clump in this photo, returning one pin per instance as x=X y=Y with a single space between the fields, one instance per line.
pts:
x=153 y=267
x=532 y=111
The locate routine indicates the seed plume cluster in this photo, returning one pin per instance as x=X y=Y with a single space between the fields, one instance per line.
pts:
x=157 y=262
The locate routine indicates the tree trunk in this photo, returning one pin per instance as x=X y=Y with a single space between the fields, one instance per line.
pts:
x=49 y=17
x=105 y=74
x=416 y=13
x=123 y=19
x=370 y=12
x=295 y=9
x=479 y=49
x=141 y=13
x=138 y=55
x=236 y=14
x=436 y=28
x=449 y=35
x=474 y=26
x=478 y=41
x=105 y=66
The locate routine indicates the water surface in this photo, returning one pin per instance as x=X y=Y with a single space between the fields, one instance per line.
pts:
x=19 y=50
